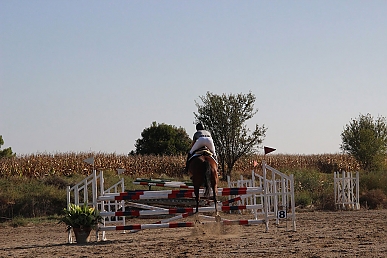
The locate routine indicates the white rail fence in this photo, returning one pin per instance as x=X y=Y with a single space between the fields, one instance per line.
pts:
x=278 y=195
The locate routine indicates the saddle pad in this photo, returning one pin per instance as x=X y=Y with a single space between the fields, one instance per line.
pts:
x=203 y=152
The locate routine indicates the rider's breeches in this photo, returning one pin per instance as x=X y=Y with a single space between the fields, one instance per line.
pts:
x=201 y=142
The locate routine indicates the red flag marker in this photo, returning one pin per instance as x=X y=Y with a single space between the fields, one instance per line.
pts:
x=268 y=150
x=255 y=163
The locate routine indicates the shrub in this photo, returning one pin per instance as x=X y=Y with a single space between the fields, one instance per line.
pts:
x=373 y=199
x=56 y=181
x=373 y=180
x=326 y=199
x=30 y=198
x=18 y=221
x=303 y=199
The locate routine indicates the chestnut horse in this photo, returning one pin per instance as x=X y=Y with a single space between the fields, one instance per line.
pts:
x=204 y=171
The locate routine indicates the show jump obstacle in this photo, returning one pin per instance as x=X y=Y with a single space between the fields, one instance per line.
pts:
x=268 y=197
x=346 y=191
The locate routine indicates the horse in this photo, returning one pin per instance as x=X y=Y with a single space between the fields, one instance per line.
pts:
x=204 y=171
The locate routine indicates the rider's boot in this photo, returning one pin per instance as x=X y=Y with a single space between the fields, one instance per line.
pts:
x=189 y=155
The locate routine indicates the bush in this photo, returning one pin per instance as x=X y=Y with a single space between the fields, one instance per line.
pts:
x=18 y=221
x=26 y=197
x=303 y=199
x=313 y=188
x=305 y=180
x=56 y=181
x=373 y=199
x=326 y=199
x=30 y=198
x=373 y=180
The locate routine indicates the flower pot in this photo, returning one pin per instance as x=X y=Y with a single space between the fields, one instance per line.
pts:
x=82 y=235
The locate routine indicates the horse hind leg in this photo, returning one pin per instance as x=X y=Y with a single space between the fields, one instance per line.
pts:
x=214 y=186
x=197 y=199
x=217 y=216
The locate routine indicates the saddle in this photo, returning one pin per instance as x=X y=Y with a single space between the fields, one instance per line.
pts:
x=203 y=151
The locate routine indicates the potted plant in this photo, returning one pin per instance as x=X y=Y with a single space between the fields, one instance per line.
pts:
x=81 y=219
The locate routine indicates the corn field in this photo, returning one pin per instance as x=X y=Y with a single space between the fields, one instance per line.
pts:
x=67 y=164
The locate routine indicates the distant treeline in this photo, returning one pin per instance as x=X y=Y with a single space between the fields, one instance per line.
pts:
x=67 y=164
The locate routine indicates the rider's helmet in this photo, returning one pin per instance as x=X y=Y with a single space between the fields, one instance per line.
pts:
x=199 y=126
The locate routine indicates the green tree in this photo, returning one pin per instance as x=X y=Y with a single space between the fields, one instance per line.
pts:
x=225 y=116
x=163 y=139
x=5 y=153
x=365 y=139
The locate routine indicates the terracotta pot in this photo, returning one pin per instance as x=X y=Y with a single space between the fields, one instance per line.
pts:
x=82 y=235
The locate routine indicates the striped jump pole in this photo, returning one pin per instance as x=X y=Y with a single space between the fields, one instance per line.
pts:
x=180 y=216
x=236 y=199
x=226 y=203
x=137 y=213
x=187 y=214
x=159 y=180
x=144 y=206
x=243 y=222
x=138 y=227
x=164 y=184
x=173 y=194
x=148 y=226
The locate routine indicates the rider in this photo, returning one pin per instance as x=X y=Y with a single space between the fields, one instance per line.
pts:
x=202 y=138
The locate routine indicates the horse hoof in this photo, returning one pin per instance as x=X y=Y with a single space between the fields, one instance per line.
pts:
x=217 y=218
x=196 y=217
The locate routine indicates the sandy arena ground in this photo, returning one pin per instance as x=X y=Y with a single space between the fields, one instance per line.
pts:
x=319 y=234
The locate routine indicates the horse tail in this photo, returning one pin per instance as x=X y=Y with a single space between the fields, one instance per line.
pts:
x=207 y=179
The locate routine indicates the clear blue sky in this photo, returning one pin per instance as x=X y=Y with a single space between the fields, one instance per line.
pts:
x=78 y=76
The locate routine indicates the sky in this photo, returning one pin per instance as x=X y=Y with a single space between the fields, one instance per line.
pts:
x=81 y=76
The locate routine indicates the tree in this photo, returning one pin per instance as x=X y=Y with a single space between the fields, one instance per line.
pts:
x=366 y=140
x=163 y=139
x=225 y=116
x=5 y=153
